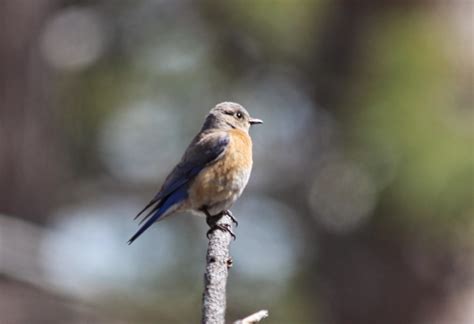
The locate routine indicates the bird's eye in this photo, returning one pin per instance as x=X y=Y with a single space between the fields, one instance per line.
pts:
x=239 y=115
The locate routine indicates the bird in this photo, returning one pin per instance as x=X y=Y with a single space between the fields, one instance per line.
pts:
x=212 y=174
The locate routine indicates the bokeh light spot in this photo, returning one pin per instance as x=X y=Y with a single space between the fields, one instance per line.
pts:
x=73 y=39
x=86 y=253
x=342 y=195
x=141 y=142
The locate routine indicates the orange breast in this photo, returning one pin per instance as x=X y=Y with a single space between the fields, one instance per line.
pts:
x=224 y=180
x=241 y=150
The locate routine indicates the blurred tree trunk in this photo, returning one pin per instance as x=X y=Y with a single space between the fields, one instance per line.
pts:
x=365 y=277
x=29 y=168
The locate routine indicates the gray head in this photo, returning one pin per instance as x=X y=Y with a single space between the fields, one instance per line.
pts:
x=229 y=115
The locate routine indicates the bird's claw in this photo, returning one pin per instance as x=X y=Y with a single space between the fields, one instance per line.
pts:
x=222 y=227
x=234 y=220
x=212 y=222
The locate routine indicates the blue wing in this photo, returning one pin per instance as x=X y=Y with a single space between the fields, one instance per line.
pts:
x=203 y=150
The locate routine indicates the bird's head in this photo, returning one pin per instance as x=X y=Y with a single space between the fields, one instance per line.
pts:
x=229 y=115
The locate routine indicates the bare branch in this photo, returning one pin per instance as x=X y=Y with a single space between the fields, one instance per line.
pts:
x=215 y=279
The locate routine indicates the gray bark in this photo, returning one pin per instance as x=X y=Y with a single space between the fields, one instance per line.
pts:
x=218 y=262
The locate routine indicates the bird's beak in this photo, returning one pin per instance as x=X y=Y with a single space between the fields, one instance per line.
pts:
x=254 y=121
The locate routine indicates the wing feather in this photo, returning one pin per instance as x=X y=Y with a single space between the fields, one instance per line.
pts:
x=205 y=149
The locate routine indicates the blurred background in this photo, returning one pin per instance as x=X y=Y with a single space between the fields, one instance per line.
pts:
x=360 y=207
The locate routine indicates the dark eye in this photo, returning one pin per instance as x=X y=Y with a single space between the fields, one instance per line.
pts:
x=239 y=115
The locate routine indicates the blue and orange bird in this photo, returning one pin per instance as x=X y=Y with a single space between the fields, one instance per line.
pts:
x=212 y=173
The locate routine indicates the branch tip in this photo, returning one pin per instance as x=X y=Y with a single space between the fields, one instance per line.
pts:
x=254 y=318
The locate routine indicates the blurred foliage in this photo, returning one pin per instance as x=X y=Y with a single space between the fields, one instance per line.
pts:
x=414 y=115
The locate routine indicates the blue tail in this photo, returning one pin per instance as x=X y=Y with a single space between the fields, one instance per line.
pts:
x=161 y=208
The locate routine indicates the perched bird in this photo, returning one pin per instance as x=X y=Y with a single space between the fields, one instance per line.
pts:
x=212 y=173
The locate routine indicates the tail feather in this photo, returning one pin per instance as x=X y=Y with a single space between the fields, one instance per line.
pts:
x=159 y=210
x=151 y=212
x=153 y=201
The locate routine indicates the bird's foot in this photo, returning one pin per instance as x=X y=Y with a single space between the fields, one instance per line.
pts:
x=222 y=227
x=229 y=213
x=212 y=222
x=208 y=215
